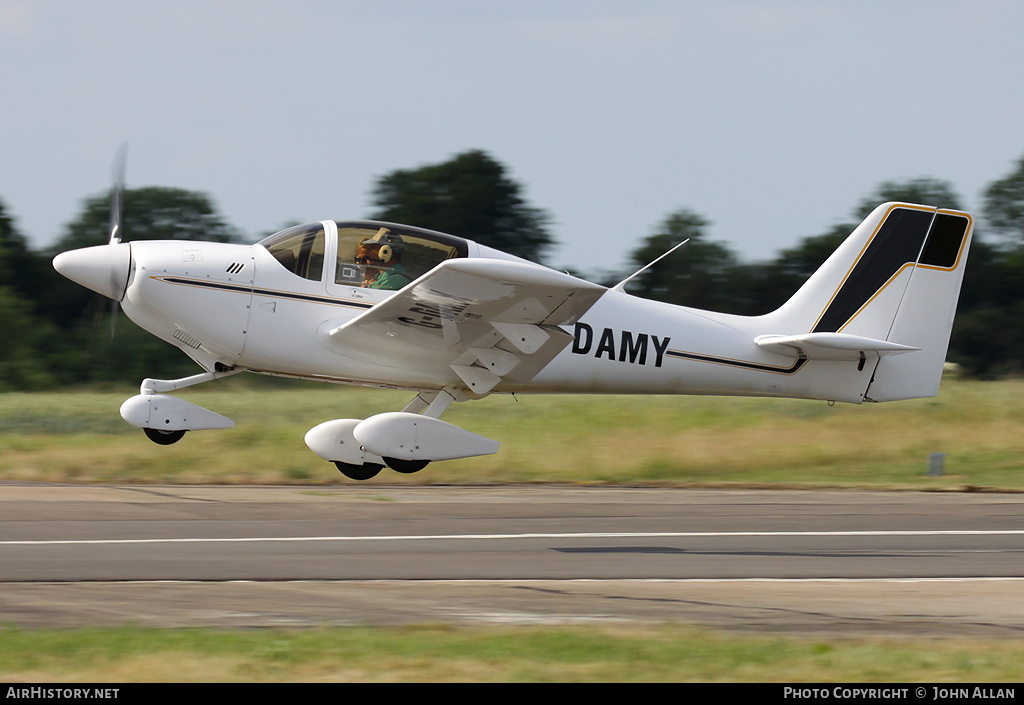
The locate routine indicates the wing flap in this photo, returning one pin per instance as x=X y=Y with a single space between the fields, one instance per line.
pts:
x=474 y=322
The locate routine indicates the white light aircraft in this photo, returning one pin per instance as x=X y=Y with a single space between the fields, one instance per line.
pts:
x=393 y=306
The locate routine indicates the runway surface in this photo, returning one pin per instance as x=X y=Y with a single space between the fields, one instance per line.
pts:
x=804 y=562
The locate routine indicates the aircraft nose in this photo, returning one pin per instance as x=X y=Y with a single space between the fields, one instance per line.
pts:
x=104 y=268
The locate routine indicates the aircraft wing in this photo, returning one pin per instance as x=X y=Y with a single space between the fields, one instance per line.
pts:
x=470 y=323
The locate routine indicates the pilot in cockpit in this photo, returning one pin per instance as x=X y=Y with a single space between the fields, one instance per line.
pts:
x=380 y=258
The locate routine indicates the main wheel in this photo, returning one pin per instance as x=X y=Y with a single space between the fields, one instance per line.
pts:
x=164 y=438
x=358 y=472
x=406 y=466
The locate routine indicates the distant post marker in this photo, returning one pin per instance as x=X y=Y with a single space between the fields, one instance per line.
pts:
x=935 y=462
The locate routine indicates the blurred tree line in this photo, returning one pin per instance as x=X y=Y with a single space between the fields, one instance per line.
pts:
x=55 y=333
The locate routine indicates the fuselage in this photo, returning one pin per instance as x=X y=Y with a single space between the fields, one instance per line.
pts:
x=269 y=308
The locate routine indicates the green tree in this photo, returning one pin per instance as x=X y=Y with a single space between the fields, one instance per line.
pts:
x=470 y=196
x=767 y=286
x=12 y=246
x=1004 y=204
x=925 y=191
x=988 y=332
x=28 y=342
x=798 y=263
x=21 y=269
x=150 y=213
x=701 y=274
x=988 y=335
x=26 y=339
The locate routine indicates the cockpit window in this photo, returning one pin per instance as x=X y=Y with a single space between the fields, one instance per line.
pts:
x=389 y=257
x=300 y=249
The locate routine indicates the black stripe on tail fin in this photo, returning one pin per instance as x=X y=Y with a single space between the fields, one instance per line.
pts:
x=895 y=244
x=898 y=242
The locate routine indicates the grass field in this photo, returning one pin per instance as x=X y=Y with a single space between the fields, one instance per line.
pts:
x=682 y=441
x=688 y=441
x=433 y=653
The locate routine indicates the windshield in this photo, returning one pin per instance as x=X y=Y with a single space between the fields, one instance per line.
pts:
x=300 y=249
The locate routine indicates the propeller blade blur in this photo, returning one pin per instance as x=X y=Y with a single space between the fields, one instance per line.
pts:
x=117 y=194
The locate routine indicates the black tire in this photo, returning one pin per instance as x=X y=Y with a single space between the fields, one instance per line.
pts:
x=358 y=472
x=406 y=466
x=164 y=438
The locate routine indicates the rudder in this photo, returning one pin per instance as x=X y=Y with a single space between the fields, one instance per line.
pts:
x=925 y=315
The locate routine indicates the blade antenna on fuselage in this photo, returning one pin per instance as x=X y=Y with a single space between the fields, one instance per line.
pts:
x=621 y=286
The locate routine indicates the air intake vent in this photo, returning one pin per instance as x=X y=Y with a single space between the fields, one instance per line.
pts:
x=187 y=339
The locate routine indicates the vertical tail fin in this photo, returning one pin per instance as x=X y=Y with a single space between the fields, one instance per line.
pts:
x=895 y=279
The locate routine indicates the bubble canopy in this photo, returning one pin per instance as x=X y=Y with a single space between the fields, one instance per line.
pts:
x=367 y=254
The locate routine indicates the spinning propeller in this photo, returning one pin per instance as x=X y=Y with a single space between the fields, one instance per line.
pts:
x=116 y=215
x=117 y=194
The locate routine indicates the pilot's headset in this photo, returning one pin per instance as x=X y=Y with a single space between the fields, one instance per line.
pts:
x=391 y=245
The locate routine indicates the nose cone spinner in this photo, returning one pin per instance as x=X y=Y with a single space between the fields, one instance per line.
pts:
x=104 y=268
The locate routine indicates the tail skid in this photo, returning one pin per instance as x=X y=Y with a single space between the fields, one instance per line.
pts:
x=886 y=298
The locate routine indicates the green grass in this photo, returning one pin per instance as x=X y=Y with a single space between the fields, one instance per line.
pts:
x=662 y=653
x=686 y=441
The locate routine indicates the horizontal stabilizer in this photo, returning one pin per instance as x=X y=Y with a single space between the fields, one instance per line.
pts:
x=830 y=346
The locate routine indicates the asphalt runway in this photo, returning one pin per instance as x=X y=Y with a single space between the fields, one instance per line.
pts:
x=804 y=562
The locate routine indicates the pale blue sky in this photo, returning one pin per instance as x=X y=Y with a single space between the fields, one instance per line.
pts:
x=770 y=119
